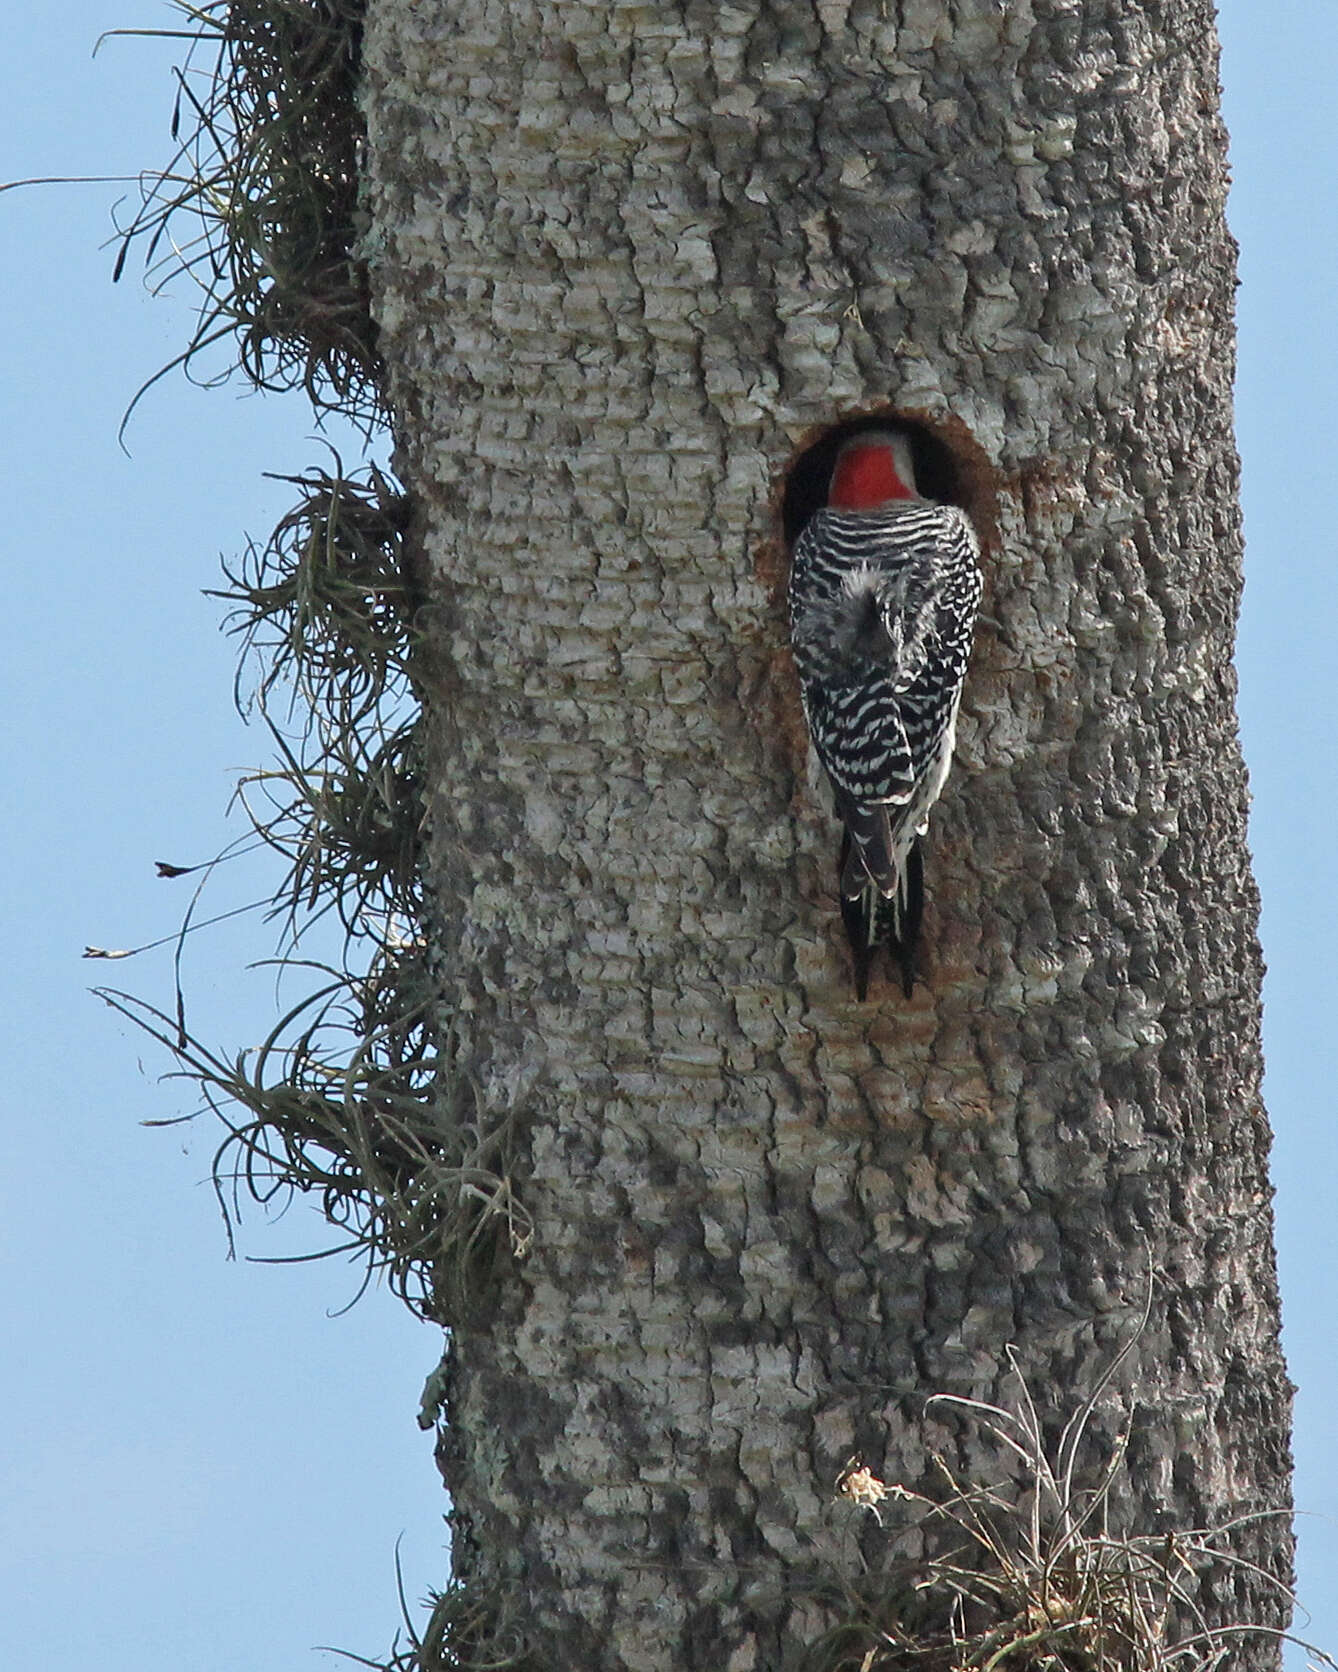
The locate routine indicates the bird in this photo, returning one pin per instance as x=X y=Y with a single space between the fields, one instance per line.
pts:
x=884 y=591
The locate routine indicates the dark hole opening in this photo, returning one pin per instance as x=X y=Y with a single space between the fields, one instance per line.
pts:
x=938 y=474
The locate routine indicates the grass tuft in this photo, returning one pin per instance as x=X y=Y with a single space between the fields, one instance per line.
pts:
x=463 y=1634
x=355 y=1100
x=325 y=611
x=1023 y=1574
x=358 y=1098
x=327 y=602
x=258 y=207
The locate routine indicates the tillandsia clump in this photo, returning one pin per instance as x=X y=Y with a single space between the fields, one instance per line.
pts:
x=355 y=1097
x=328 y=602
x=258 y=207
x=463 y=1634
x=1024 y=1574
x=326 y=613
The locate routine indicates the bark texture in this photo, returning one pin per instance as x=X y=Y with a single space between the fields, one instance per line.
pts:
x=625 y=256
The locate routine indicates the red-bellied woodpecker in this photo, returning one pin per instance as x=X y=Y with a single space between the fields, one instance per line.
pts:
x=884 y=589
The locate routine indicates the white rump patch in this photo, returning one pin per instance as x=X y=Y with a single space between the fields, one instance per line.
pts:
x=863 y=578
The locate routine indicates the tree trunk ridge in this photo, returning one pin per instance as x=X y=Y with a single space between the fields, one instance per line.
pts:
x=623 y=258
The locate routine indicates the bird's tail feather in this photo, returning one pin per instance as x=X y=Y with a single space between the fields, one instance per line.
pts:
x=867 y=854
x=875 y=919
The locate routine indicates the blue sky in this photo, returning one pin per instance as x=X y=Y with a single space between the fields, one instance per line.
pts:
x=206 y=1471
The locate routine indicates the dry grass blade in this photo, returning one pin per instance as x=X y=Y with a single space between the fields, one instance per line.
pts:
x=326 y=609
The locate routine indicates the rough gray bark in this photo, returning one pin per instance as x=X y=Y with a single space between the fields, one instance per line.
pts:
x=625 y=256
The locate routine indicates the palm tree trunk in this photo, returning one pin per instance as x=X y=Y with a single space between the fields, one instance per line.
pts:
x=625 y=257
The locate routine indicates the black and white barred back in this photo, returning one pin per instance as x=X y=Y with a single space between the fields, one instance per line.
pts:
x=883 y=608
